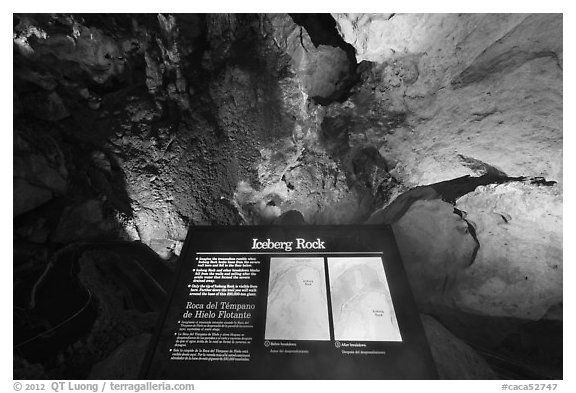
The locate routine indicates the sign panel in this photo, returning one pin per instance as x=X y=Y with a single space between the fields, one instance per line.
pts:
x=301 y=302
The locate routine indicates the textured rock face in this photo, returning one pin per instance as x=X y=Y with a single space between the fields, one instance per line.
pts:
x=321 y=69
x=487 y=87
x=507 y=276
x=448 y=44
x=86 y=49
x=518 y=269
x=477 y=90
x=135 y=127
x=480 y=95
x=512 y=122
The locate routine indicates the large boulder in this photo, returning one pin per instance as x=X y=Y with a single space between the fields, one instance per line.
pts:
x=323 y=70
x=498 y=252
x=436 y=247
x=518 y=270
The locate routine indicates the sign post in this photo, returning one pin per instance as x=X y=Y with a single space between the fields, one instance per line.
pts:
x=301 y=302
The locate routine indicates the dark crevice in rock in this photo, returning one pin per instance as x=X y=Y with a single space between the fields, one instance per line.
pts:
x=448 y=191
x=540 y=181
x=302 y=39
x=289 y=185
x=472 y=232
x=451 y=190
x=321 y=28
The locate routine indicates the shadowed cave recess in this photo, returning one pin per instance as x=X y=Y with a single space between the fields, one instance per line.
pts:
x=128 y=129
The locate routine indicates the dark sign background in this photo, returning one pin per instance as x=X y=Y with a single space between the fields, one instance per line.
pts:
x=409 y=359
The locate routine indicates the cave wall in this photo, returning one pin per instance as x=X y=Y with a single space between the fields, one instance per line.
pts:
x=482 y=96
x=480 y=79
x=481 y=93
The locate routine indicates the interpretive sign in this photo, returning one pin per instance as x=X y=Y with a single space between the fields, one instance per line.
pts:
x=299 y=302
